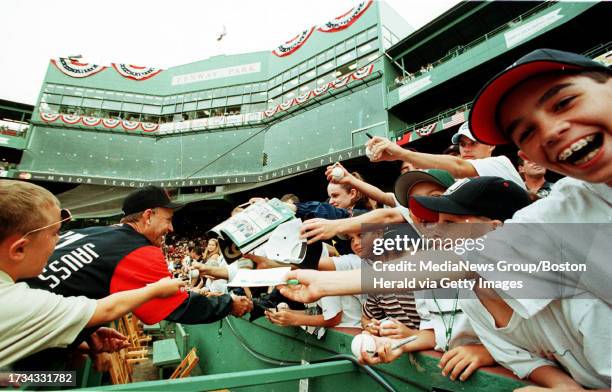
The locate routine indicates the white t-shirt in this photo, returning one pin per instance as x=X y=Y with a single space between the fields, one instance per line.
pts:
x=573 y=332
x=499 y=166
x=33 y=320
x=349 y=305
x=439 y=317
x=402 y=210
x=218 y=285
x=347 y=262
x=570 y=201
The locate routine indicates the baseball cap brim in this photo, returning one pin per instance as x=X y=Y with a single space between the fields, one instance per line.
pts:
x=483 y=116
x=406 y=181
x=312 y=257
x=427 y=208
x=455 y=138
x=175 y=205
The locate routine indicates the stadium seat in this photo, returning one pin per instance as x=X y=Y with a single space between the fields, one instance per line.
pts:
x=169 y=352
x=186 y=366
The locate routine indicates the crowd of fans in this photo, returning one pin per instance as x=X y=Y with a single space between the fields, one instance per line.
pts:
x=465 y=184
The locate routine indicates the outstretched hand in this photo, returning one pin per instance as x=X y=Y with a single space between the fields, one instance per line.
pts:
x=307 y=290
x=107 y=340
x=240 y=305
x=318 y=229
x=281 y=317
x=167 y=287
x=460 y=362
x=346 y=178
x=383 y=149
x=384 y=352
x=397 y=330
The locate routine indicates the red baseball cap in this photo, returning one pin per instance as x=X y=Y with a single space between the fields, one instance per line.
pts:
x=483 y=116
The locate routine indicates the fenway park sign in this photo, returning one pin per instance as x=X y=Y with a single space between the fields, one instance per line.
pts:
x=279 y=173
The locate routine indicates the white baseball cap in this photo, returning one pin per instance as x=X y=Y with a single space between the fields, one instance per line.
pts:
x=286 y=246
x=465 y=131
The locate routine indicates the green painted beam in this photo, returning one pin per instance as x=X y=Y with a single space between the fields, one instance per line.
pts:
x=238 y=379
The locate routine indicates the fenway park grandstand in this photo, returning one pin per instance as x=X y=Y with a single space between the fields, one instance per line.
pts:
x=222 y=130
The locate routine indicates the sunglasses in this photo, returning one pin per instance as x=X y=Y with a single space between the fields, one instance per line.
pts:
x=65 y=216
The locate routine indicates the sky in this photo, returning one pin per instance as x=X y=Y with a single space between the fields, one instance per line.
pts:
x=157 y=33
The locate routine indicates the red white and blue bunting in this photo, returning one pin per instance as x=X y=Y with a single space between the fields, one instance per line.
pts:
x=149 y=127
x=359 y=74
x=70 y=118
x=425 y=131
x=130 y=125
x=303 y=97
x=293 y=44
x=76 y=69
x=345 y=20
x=362 y=72
x=287 y=104
x=91 y=121
x=337 y=24
x=49 y=117
x=320 y=90
x=110 y=122
x=417 y=134
x=340 y=82
x=135 y=72
x=271 y=111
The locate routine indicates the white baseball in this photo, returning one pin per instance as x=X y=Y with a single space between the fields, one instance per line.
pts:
x=337 y=173
x=282 y=305
x=363 y=340
x=194 y=274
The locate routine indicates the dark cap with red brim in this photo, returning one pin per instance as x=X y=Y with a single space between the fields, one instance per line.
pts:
x=490 y=197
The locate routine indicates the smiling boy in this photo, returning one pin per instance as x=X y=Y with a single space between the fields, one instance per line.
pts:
x=555 y=107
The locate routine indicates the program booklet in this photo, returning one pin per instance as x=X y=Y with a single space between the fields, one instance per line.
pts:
x=250 y=228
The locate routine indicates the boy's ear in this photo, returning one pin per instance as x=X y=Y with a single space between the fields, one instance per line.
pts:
x=16 y=250
x=492 y=148
x=522 y=155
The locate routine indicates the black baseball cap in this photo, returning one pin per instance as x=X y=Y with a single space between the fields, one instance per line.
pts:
x=491 y=197
x=148 y=197
x=483 y=116
x=406 y=181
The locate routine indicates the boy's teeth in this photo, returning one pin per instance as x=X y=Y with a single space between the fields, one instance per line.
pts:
x=576 y=146
x=588 y=157
x=579 y=144
x=565 y=154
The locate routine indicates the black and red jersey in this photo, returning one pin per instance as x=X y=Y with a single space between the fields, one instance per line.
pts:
x=98 y=261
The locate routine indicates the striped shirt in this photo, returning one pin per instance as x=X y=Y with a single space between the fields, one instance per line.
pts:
x=400 y=306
